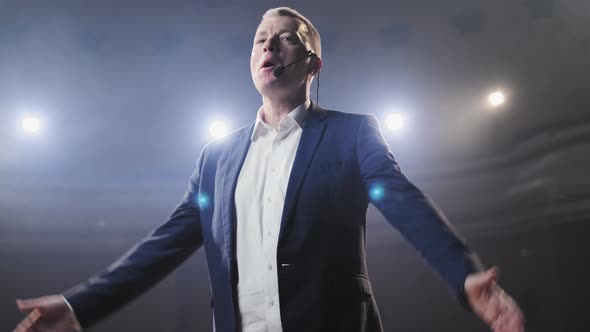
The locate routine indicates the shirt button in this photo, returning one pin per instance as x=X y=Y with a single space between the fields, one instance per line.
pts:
x=271 y=302
x=269 y=200
x=273 y=170
x=269 y=266
x=268 y=234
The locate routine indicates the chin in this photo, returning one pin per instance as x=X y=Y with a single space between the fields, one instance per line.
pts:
x=268 y=84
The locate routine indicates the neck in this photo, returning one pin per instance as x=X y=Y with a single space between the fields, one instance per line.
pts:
x=275 y=109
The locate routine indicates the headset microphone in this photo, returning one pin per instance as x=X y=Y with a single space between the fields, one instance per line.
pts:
x=279 y=70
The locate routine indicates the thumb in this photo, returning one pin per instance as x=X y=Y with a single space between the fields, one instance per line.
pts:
x=39 y=303
x=482 y=281
x=26 y=306
x=491 y=275
x=488 y=278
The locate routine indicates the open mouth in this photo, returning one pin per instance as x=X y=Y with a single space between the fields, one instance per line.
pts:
x=268 y=64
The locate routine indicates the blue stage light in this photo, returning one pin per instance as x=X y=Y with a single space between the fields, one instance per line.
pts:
x=376 y=193
x=203 y=200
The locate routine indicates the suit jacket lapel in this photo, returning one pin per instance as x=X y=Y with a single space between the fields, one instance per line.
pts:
x=232 y=161
x=313 y=129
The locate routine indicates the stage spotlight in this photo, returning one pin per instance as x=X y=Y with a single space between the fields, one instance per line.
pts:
x=395 y=121
x=31 y=124
x=218 y=129
x=496 y=98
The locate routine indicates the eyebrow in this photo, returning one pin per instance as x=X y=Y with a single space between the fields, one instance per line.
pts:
x=262 y=33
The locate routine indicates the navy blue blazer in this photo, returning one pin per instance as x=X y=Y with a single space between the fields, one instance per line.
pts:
x=342 y=164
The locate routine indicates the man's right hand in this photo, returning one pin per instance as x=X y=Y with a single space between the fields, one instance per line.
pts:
x=47 y=313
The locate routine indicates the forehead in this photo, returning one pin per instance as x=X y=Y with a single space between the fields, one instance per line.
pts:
x=279 y=24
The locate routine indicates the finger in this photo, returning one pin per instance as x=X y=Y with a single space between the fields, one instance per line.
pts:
x=25 y=306
x=479 y=285
x=515 y=322
x=29 y=305
x=495 y=271
x=512 y=319
x=26 y=323
x=32 y=329
x=19 y=328
x=492 y=310
x=502 y=323
x=487 y=280
x=507 y=325
x=492 y=275
x=508 y=305
x=496 y=326
x=44 y=303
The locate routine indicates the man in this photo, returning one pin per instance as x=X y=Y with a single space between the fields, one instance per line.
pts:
x=280 y=207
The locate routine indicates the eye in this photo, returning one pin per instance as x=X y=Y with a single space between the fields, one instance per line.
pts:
x=289 y=39
x=260 y=41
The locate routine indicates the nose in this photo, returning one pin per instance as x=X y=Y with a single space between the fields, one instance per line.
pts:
x=270 y=45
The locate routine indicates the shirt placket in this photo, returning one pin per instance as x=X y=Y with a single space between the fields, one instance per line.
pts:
x=270 y=220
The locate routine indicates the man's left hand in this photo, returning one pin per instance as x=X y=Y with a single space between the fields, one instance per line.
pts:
x=491 y=303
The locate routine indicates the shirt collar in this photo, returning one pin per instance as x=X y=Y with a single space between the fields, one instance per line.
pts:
x=294 y=118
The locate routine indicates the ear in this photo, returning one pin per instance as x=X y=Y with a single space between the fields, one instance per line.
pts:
x=315 y=65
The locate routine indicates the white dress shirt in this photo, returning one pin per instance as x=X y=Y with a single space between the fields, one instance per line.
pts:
x=260 y=197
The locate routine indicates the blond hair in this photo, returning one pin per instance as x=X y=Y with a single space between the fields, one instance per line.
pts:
x=311 y=36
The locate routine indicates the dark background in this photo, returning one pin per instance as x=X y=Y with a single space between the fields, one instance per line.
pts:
x=126 y=91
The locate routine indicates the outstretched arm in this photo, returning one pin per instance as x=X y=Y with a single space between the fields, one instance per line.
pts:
x=420 y=222
x=140 y=268
x=411 y=212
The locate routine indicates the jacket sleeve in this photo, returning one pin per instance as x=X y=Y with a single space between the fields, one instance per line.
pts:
x=410 y=211
x=145 y=264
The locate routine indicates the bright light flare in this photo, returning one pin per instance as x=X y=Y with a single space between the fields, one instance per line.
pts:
x=496 y=98
x=31 y=124
x=218 y=129
x=203 y=200
x=377 y=192
x=395 y=121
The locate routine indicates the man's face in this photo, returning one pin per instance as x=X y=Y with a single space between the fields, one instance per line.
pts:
x=278 y=42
